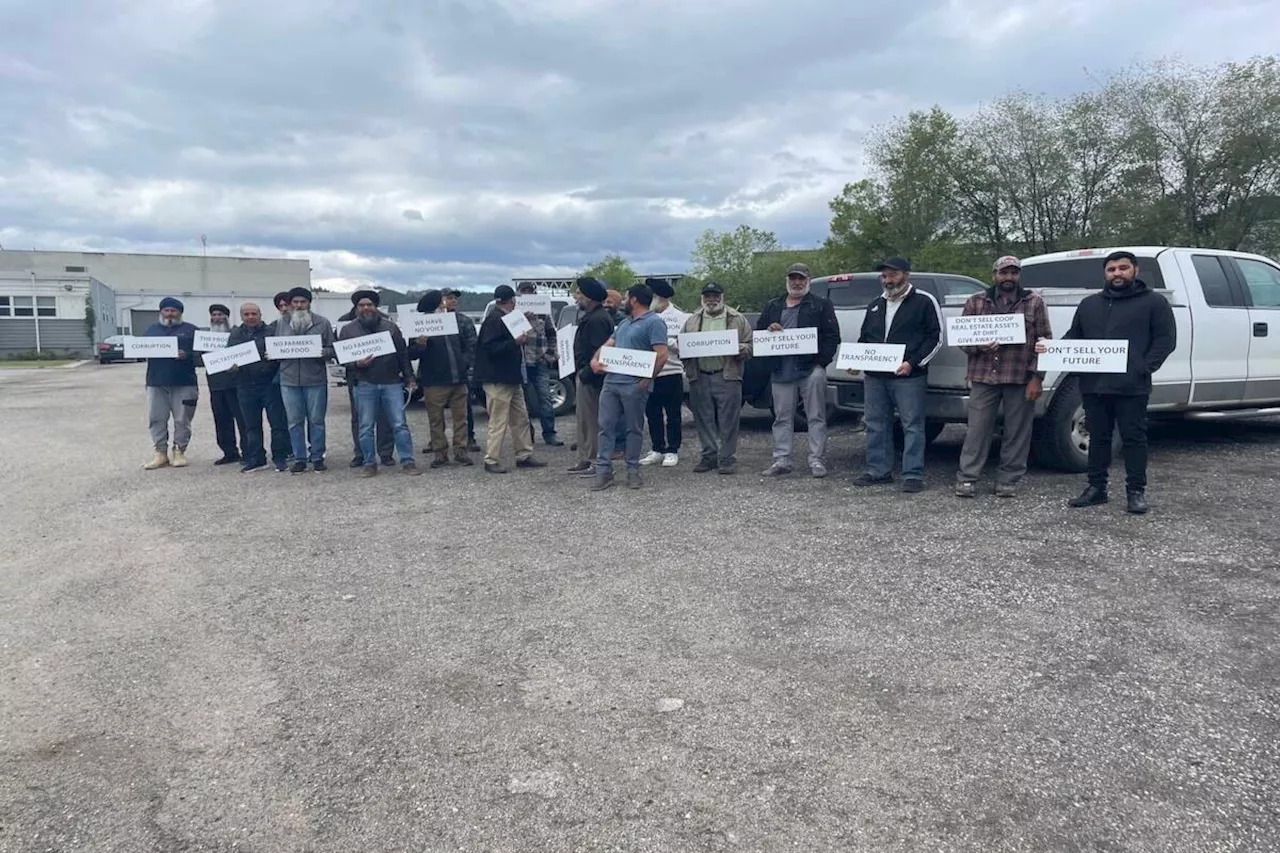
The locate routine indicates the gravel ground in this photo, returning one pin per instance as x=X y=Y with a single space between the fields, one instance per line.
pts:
x=207 y=661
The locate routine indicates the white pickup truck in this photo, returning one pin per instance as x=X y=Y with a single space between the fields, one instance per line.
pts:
x=1226 y=365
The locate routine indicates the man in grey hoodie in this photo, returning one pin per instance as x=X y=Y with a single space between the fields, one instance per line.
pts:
x=304 y=382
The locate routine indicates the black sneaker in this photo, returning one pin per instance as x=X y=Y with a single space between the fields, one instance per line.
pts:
x=552 y=442
x=1137 y=503
x=530 y=463
x=1091 y=496
x=864 y=480
x=227 y=460
x=705 y=465
x=320 y=467
x=357 y=462
x=253 y=466
x=912 y=486
x=298 y=468
x=388 y=462
x=494 y=468
x=472 y=447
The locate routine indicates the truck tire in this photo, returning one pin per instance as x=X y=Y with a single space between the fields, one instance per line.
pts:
x=564 y=393
x=1060 y=439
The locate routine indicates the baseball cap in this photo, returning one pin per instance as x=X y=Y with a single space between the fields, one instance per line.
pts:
x=526 y=287
x=798 y=269
x=712 y=287
x=503 y=293
x=896 y=262
x=1006 y=261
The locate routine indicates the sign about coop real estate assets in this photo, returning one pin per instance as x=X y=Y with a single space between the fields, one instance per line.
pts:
x=980 y=329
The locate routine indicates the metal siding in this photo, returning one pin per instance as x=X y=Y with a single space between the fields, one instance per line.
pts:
x=104 y=305
x=55 y=335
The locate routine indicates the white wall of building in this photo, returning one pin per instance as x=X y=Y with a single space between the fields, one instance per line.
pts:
x=67 y=292
x=164 y=274
x=196 y=307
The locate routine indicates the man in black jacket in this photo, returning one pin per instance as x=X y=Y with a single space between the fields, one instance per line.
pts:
x=1126 y=309
x=444 y=363
x=595 y=326
x=800 y=377
x=500 y=369
x=381 y=383
x=911 y=317
x=222 y=396
x=382 y=432
x=256 y=391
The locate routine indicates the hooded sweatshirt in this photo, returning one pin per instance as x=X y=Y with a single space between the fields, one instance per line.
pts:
x=1137 y=314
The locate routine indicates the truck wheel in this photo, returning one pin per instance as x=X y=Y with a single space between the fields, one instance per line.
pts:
x=1060 y=439
x=563 y=394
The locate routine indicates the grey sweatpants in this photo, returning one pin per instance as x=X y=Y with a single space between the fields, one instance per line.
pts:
x=812 y=390
x=717 y=414
x=985 y=403
x=176 y=401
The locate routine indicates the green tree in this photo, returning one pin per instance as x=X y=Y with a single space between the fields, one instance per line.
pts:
x=614 y=271
x=748 y=262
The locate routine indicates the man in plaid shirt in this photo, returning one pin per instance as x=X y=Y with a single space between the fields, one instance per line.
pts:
x=1002 y=374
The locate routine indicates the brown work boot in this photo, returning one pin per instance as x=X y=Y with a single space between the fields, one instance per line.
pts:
x=411 y=468
x=159 y=460
x=369 y=471
x=179 y=457
x=441 y=459
x=460 y=456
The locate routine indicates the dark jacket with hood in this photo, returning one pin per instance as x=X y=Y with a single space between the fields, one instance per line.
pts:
x=390 y=369
x=1137 y=314
x=444 y=360
x=499 y=359
x=173 y=372
x=815 y=312
x=261 y=372
x=595 y=327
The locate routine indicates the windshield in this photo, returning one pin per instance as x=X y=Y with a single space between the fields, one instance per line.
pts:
x=1084 y=273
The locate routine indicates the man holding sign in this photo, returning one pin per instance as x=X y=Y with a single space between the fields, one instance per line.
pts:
x=444 y=362
x=256 y=392
x=715 y=380
x=1125 y=310
x=222 y=396
x=800 y=377
x=304 y=381
x=1002 y=376
x=171 y=387
x=624 y=395
x=381 y=382
x=500 y=369
x=911 y=317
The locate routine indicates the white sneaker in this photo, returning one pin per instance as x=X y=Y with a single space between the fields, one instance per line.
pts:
x=651 y=457
x=670 y=460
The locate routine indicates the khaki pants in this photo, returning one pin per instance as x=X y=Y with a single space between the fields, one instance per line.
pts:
x=587 y=411
x=507 y=414
x=436 y=399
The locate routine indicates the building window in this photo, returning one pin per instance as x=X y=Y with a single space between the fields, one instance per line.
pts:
x=22 y=306
x=47 y=306
x=6 y=306
x=76 y=269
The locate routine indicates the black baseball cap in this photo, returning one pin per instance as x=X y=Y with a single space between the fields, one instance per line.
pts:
x=503 y=293
x=712 y=287
x=896 y=262
x=526 y=287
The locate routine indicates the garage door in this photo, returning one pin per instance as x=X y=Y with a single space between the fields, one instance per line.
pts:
x=142 y=319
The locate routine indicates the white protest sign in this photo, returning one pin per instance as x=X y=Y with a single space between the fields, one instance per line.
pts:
x=708 y=344
x=354 y=349
x=786 y=342
x=1084 y=357
x=159 y=347
x=206 y=340
x=294 y=346
x=675 y=322
x=415 y=325
x=564 y=350
x=534 y=303
x=878 y=358
x=629 y=362
x=981 y=329
x=517 y=324
x=217 y=361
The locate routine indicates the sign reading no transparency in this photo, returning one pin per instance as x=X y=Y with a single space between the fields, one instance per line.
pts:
x=980 y=329
x=708 y=344
x=294 y=346
x=877 y=358
x=1084 y=357
x=786 y=342
x=415 y=325
x=218 y=361
x=159 y=347
x=354 y=349
x=630 y=362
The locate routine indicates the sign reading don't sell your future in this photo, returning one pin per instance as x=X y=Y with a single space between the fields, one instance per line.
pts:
x=1084 y=357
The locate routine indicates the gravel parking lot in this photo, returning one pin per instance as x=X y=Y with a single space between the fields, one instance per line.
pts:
x=199 y=660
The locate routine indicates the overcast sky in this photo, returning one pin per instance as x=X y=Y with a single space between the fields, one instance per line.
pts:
x=467 y=141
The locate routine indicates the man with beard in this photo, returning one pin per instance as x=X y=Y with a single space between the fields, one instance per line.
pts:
x=663 y=410
x=500 y=368
x=256 y=391
x=595 y=327
x=1002 y=376
x=283 y=307
x=222 y=396
x=715 y=383
x=381 y=383
x=304 y=382
x=900 y=315
x=171 y=387
x=444 y=362
x=451 y=305
x=623 y=397
x=539 y=358
x=1126 y=309
x=800 y=378
x=382 y=434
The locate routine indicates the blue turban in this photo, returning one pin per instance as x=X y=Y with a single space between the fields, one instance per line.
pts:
x=170 y=302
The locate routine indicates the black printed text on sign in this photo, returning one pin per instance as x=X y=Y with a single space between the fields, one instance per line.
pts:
x=1084 y=357
x=708 y=344
x=517 y=323
x=294 y=346
x=786 y=342
x=564 y=350
x=219 y=361
x=415 y=325
x=354 y=349
x=629 y=362
x=876 y=358
x=138 y=347
x=982 y=329
x=534 y=303
x=206 y=340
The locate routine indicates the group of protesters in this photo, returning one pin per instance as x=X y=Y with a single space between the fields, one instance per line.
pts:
x=513 y=370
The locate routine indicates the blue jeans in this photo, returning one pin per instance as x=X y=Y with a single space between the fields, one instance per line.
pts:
x=882 y=396
x=537 y=398
x=305 y=406
x=388 y=400
x=254 y=399
x=621 y=409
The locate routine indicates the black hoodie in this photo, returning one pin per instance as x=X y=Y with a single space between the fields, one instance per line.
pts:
x=1136 y=314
